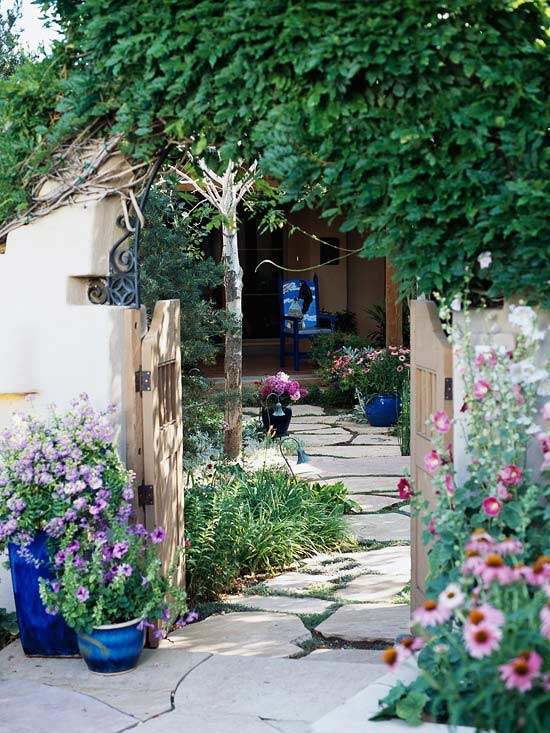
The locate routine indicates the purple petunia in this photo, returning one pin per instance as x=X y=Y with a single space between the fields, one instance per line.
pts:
x=126 y=570
x=120 y=549
x=158 y=535
x=82 y=594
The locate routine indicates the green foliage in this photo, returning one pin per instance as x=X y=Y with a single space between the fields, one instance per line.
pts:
x=11 y=53
x=403 y=426
x=422 y=124
x=324 y=346
x=8 y=627
x=240 y=523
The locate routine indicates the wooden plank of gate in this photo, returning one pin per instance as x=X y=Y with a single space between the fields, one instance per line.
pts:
x=431 y=364
x=134 y=325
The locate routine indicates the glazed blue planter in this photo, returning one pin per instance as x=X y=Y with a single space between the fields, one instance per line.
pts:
x=41 y=634
x=112 y=648
x=382 y=410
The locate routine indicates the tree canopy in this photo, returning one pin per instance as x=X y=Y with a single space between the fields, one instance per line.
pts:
x=421 y=122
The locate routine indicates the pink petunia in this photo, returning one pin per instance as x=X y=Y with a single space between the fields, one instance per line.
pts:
x=405 y=489
x=431 y=613
x=441 y=421
x=481 y=389
x=432 y=461
x=481 y=640
x=519 y=673
x=491 y=506
x=510 y=475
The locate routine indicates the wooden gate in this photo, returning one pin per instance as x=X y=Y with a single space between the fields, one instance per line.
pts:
x=431 y=390
x=154 y=424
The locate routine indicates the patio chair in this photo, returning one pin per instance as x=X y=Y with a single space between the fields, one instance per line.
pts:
x=301 y=317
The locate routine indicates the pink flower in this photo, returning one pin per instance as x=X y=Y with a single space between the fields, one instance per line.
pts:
x=431 y=613
x=485 y=614
x=481 y=388
x=545 y=411
x=520 y=672
x=510 y=475
x=518 y=394
x=545 y=620
x=405 y=490
x=449 y=484
x=503 y=493
x=394 y=655
x=491 y=506
x=544 y=442
x=441 y=422
x=481 y=639
x=480 y=542
x=539 y=572
x=509 y=546
x=432 y=528
x=494 y=569
x=432 y=461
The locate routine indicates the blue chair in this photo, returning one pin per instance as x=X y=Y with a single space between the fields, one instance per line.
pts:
x=301 y=317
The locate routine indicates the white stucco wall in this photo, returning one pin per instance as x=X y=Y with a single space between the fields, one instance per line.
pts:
x=53 y=344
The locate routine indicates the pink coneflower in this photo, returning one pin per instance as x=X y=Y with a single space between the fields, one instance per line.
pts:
x=449 y=484
x=521 y=671
x=405 y=490
x=452 y=597
x=441 y=422
x=392 y=656
x=539 y=572
x=481 y=639
x=431 y=613
x=481 y=389
x=545 y=620
x=491 y=506
x=510 y=475
x=432 y=461
x=485 y=614
x=494 y=568
x=509 y=546
x=412 y=643
x=480 y=542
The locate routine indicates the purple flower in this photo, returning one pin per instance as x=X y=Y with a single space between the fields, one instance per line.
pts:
x=138 y=529
x=124 y=512
x=158 y=535
x=73 y=547
x=128 y=493
x=80 y=503
x=60 y=557
x=98 y=507
x=79 y=562
x=70 y=515
x=52 y=610
x=144 y=624
x=54 y=527
x=120 y=549
x=8 y=528
x=108 y=576
x=158 y=634
x=55 y=586
x=100 y=537
x=126 y=570
x=82 y=594
x=189 y=618
x=144 y=581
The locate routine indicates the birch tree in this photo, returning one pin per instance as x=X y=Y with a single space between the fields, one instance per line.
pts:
x=224 y=192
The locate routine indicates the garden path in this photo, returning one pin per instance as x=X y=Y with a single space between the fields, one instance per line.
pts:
x=288 y=656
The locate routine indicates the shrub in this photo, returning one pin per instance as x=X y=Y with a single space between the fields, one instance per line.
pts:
x=239 y=523
x=372 y=371
x=325 y=345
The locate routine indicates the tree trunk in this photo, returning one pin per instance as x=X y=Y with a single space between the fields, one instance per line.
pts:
x=233 y=281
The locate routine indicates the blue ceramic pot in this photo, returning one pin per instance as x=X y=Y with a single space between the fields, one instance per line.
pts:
x=279 y=424
x=112 y=648
x=382 y=410
x=41 y=634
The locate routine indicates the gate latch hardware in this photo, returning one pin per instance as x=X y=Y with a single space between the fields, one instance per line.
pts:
x=448 y=388
x=143 y=381
x=146 y=495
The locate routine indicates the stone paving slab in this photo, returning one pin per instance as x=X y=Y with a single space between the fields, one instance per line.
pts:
x=370 y=657
x=289 y=726
x=356 y=451
x=364 y=622
x=353 y=467
x=326 y=429
x=298 y=581
x=375 y=439
x=361 y=428
x=142 y=693
x=203 y=721
x=372 y=588
x=380 y=527
x=320 y=440
x=282 y=604
x=367 y=484
x=307 y=410
x=318 y=418
x=246 y=634
x=272 y=689
x=388 y=560
x=374 y=502
x=31 y=707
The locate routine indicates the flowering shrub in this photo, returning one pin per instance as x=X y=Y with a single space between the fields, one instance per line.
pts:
x=58 y=473
x=110 y=576
x=484 y=638
x=282 y=386
x=486 y=621
x=373 y=371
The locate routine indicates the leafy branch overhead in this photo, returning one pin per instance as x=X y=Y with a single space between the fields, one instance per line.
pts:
x=421 y=124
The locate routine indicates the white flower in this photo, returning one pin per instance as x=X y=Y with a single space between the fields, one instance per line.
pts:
x=484 y=260
x=525 y=318
x=452 y=597
x=525 y=372
x=456 y=303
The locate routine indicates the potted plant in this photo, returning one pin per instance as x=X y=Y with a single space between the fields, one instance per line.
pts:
x=378 y=376
x=281 y=390
x=109 y=588
x=58 y=474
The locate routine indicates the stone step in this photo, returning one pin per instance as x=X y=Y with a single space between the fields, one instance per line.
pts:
x=365 y=623
x=380 y=527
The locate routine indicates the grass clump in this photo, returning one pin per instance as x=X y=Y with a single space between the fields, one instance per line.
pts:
x=248 y=523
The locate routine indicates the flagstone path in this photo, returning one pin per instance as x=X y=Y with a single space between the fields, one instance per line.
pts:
x=297 y=651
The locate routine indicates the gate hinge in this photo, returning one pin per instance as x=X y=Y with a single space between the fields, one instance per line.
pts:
x=143 y=381
x=448 y=388
x=146 y=496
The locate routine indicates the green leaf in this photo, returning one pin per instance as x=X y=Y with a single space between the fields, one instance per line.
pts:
x=410 y=707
